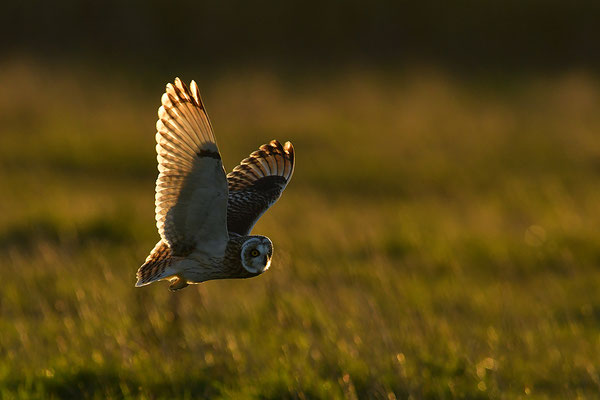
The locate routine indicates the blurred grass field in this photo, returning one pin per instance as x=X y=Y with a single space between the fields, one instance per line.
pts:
x=439 y=239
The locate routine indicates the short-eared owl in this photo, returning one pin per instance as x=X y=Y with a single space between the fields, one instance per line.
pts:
x=204 y=217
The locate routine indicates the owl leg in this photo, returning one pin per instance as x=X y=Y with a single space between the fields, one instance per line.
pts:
x=177 y=283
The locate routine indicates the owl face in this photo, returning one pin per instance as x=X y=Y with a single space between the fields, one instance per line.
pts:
x=256 y=254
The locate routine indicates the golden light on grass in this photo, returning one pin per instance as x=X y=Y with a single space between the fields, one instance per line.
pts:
x=439 y=239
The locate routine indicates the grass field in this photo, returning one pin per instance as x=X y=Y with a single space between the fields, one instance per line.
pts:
x=439 y=240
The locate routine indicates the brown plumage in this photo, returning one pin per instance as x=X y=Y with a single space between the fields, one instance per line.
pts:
x=196 y=203
x=271 y=159
x=159 y=259
x=257 y=183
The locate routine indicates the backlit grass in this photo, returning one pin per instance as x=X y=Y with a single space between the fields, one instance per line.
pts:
x=439 y=240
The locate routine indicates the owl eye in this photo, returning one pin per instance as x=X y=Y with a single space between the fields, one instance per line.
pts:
x=254 y=253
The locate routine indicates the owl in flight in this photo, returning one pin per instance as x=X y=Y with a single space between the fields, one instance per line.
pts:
x=204 y=218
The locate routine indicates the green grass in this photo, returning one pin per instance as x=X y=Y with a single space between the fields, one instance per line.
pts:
x=439 y=240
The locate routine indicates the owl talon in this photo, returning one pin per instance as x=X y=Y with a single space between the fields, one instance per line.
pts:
x=177 y=284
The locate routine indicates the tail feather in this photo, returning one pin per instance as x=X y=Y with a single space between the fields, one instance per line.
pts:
x=156 y=265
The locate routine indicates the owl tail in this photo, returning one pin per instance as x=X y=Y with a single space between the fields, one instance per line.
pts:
x=156 y=266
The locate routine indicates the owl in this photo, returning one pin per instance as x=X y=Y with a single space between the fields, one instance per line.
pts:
x=203 y=216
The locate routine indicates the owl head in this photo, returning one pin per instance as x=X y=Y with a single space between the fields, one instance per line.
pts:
x=256 y=254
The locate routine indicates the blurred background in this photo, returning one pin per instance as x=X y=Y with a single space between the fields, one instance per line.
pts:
x=438 y=239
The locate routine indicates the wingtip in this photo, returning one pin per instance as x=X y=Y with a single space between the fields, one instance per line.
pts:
x=196 y=94
x=289 y=149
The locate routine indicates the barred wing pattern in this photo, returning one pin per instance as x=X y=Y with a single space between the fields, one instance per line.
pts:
x=156 y=263
x=191 y=189
x=256 y=184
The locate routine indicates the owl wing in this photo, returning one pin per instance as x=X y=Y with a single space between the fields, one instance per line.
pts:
x=191 y=189
x=257 y=183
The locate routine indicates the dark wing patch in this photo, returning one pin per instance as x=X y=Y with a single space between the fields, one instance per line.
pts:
x=257 y=183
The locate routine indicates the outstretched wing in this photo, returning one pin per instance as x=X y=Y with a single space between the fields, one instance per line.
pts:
x=191 y=189
x=257 y=183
